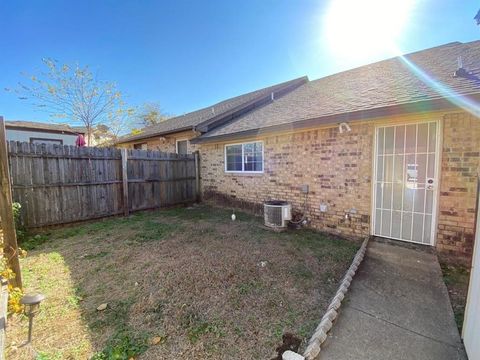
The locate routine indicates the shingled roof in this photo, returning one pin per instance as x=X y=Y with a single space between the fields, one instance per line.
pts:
x=33 y=125
x=224 y=109
x=416 y=78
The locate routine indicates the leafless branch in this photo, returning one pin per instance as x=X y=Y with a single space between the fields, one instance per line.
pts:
x=72 y=92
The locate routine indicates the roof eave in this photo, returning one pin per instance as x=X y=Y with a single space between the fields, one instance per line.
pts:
x=149 y=136
x=407 y=108
x=226 y=116
x=36 y=129
x=261 y=100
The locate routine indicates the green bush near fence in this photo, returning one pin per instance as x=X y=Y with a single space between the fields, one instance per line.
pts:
x=19 y=228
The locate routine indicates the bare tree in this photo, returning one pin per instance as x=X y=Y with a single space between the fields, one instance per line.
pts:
x=119 y=122
x=72 y=93
x=151 y=114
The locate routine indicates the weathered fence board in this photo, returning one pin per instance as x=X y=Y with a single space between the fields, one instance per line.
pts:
x=157 y=179
x=9 y=243
x=61 y=184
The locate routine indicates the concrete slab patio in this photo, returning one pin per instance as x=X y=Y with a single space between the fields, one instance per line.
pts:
x=397 y=308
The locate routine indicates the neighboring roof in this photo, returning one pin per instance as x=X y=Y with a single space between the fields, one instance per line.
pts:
x=79 y=129
x=32 y=125
x=212 y=113
x=382 y=85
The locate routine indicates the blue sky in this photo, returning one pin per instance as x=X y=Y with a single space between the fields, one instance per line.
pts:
x=190 y=54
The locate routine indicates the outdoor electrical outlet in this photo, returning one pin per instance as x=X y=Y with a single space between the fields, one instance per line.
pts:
x=304 y=188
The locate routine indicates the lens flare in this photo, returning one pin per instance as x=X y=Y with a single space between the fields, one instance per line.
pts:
x=444 y=91
x=362 y=30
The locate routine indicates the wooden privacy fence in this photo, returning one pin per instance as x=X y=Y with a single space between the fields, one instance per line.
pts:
x=58 y=184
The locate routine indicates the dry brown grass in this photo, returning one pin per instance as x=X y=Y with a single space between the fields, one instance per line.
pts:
x=191 y=277
x=456 y=276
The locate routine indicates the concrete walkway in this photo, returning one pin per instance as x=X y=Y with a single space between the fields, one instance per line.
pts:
x=397 y=308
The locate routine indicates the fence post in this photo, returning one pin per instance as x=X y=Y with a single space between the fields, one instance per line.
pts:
x=126 y=208
x=197 y=176
x=10 y=246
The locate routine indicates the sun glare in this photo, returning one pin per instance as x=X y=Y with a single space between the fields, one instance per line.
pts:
x=364 y=29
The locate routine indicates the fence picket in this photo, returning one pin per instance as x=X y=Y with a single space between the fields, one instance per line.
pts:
x=62 y=184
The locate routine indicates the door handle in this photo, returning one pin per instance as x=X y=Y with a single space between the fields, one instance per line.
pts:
x=430 y=183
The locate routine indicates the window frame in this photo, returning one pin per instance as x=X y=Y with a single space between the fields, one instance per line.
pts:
x=176 y=145
x=243 y=158
x=142 y=144
x=51 y=141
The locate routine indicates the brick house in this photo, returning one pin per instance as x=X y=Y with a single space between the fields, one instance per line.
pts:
x=388 y=149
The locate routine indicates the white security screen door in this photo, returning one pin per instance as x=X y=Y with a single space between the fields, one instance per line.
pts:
x=406 y=184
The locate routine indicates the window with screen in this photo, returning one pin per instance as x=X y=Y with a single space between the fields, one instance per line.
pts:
x=182 y=147
x=246 y=157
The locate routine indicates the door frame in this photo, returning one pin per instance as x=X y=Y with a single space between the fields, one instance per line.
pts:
x=473 y=289
x=436 y=198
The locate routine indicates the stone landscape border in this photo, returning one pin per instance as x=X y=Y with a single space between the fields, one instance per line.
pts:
x=320 y=334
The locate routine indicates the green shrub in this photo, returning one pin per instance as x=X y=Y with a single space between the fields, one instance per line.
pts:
x=17 y=218
x=32 y=242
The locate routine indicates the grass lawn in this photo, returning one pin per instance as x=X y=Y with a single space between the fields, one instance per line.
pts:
x=456 y=277
x=179 y=283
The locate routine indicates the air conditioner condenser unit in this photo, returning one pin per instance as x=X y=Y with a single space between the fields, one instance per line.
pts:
x=277 y=214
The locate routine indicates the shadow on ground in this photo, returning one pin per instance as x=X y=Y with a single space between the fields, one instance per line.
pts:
x=183 y=282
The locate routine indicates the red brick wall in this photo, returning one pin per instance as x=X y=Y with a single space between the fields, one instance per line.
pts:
x=165 y=143
x=337 y=168
x=458 y=184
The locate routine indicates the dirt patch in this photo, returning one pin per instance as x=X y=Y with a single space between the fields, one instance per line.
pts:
x=184 y=282
x=232 y=202
x=290 y=342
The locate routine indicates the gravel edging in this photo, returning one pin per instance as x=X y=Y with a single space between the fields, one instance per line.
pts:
x=320 y=334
